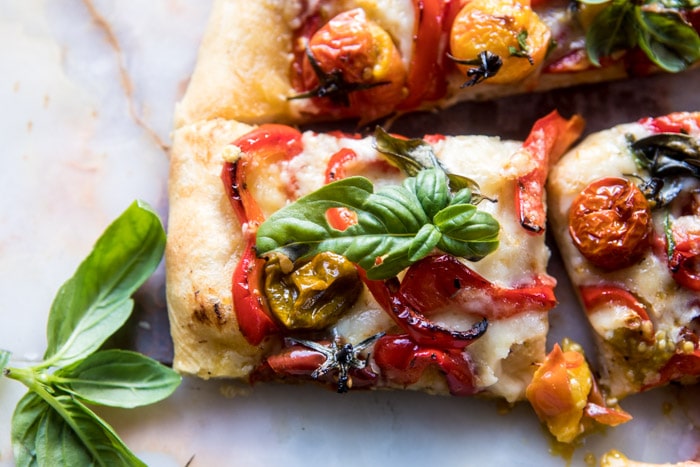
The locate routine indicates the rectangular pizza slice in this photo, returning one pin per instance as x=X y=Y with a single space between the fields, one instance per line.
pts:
x=625 y=210
x=375 y=262
x=298 y=61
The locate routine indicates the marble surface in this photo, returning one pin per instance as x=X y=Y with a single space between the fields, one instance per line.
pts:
x=87 y=91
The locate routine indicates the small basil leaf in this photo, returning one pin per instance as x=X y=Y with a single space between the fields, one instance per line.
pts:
x=26 y=419
x=612 y=30
x=95 y=302
x=463 y=196
x=432 y=191
x=118 y=378
x=460 y=182
x=425 y=241
x=4 y=359
x=667 y=39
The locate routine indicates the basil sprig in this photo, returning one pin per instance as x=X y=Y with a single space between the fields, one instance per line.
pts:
x=661 y=32
x=396 y=226
x=52 y=425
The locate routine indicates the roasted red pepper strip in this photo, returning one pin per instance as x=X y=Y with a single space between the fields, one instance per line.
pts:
x=267 y=144
x=593 y=296
x=426 y=74
x=402 y=361
x=677 y=122
x=684 y=263
x=548 y=140
x=680 y=365
x=300 y=361
x=442 y=280
x=422 y=330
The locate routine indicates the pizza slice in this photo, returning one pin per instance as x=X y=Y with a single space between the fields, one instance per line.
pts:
x=299 y=61
x=363 y=262
x=625 y=210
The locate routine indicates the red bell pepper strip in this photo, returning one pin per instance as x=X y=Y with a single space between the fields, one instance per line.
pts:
x=677 y=122
x=301 y=361
x=402 y=361
x=442 y=280
x=428 y=68
x=680 y=365
x=548 y=140
x=419 y=327
x=684 y=263
x=267 y=144
x=593 y=296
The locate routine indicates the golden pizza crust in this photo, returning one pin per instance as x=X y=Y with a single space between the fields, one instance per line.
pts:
x=201 y=253
x=242 y=69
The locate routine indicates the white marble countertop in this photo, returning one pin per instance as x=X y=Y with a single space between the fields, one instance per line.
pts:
x=87 y=91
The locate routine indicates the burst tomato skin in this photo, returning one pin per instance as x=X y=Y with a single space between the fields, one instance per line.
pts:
x=610 y=223
x=365 y=55
x=494 y=25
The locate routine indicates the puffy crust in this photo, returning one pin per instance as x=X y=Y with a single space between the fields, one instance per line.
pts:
x=201 y=253
x=242 y=69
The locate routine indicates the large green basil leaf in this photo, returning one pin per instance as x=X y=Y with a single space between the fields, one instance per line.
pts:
x=95 y=302
x=667 y=40
x=612 y=30
x=118 y=378
x=390 y=233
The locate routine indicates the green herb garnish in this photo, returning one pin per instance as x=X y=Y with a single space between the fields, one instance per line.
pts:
x=521 y=50
x=52 y=425
x=395 y=226
x=664 y=36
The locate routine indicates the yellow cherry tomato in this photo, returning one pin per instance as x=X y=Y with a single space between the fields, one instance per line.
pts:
x=507 y=28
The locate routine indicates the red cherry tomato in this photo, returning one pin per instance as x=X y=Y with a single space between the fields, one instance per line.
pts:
x=610 y=223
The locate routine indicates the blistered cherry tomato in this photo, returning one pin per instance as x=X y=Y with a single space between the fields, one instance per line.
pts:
x=610 y=223
x=364 y=54
x=498 y=26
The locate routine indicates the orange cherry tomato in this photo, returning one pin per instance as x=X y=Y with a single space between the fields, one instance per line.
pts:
x=499 y=26
x=610 y=223
x=361 y=55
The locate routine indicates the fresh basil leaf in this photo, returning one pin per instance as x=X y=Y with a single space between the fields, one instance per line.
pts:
x=667 y=39
x=389 y=234
x=118 y=378
x=466 y=231
x=95 y=302
x=426 y=240
x=25 y=424
x=57 y=444
x=86 y=435
x=612 y=30
x=4 y=359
